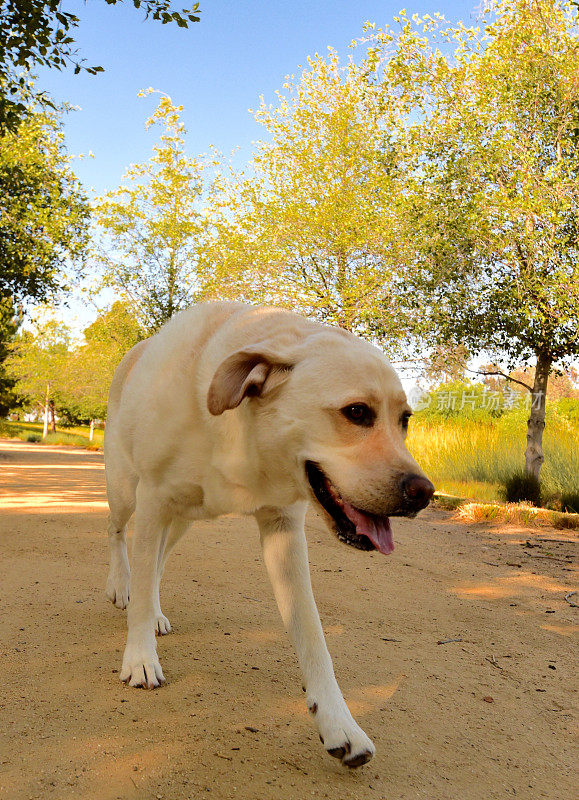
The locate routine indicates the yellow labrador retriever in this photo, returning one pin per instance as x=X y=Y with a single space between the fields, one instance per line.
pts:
x=231 y=408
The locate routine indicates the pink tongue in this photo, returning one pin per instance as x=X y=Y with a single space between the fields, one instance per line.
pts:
x=377 y=529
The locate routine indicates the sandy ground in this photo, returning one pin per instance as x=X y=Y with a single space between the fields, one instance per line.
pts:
x=489 y=716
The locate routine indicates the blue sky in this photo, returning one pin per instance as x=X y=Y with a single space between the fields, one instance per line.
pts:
x=216 y=69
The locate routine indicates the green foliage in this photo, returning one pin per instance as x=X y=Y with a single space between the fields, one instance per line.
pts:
x=569 y=407
x=43 y=212
x=32 y=432
x=37 y=33
x=8 y=328
x=495 y=168
x=522 y=486
x=43 y=227
x=38 y=362
x=92 y=363
x=463 y=400
x=151 y=227
x=492 y=159
x=316 y=227
x=46 y=363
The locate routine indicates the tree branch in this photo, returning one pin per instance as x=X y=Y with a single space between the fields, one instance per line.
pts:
x=502 y=375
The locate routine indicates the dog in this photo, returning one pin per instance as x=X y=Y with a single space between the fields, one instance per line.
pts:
x=231 y=408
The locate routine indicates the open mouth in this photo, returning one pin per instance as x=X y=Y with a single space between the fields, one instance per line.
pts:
x=353 y=526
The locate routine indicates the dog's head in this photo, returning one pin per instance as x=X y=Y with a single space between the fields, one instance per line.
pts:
x=333 y=407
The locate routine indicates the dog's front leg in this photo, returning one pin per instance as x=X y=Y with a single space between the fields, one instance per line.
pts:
x=141 y=665
x=286 y=558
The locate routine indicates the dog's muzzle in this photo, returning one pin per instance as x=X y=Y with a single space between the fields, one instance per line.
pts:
x=362 y=528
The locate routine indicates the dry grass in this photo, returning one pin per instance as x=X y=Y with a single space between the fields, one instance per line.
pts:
x=516 y=514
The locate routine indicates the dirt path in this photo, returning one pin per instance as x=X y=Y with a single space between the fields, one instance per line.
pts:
x=231 y=721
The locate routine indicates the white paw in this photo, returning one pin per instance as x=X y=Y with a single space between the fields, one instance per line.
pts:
x=141 y=666
x=162 y=624
x=117 y=589
x=341 y=735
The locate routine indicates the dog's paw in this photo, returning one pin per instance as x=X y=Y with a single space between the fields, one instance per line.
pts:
x=162 y=624
x=342 y=737
x=117 y=589
x=141 y=666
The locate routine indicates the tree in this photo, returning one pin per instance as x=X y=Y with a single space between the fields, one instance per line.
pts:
x=37 y=33
x=93 y=362
x=43 y=211
x=492 y=151
x=314 y=224
x=446 y=365
x=8 y=329
x=39 y=363
x=43 y=225
x=151 y=227
x=49 y=370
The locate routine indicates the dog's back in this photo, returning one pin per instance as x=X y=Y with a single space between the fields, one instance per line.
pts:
x=121 y=373
x=173 y=350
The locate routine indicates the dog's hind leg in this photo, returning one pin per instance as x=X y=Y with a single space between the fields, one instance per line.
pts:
x=286 y=558
x=174 y=532
x=121 y=487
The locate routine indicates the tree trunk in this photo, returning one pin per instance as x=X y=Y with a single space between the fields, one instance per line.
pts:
x=91 y=431
x=52 y=417
x=45 y=429
x=536 y=422
x=345 y=320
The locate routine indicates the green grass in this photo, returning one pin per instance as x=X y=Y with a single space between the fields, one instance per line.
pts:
x=486 y=492
x=64 y=437
x=84 y=432
x=473 y=458
x=32 y=431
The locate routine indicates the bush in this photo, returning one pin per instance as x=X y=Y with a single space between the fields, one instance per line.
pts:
x=521 y=486
x=68 y=418
x=461 y=401
x=33 y=437
x=570 y=502
x=569 y=407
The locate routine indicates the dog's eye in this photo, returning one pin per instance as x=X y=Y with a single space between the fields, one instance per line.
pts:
x=359 y=414
x=404 y=420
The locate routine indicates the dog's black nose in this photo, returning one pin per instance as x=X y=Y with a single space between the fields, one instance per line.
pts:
x=418 y=491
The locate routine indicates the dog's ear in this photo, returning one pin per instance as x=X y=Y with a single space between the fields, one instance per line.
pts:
x=247 y=373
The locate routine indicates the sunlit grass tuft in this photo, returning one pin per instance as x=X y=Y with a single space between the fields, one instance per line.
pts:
x=516 y=514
